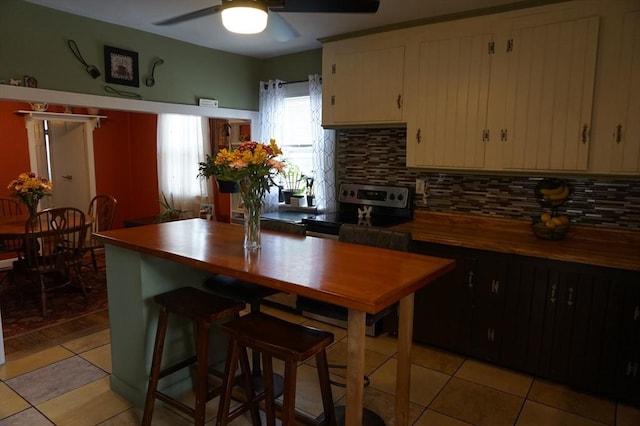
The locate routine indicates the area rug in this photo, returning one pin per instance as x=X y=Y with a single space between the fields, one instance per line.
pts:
x=65 y=304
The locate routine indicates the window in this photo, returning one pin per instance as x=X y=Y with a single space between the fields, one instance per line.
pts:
x=297 y=140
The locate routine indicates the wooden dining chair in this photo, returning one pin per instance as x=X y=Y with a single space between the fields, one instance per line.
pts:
x=52 y=253
x=9 y=207
x=103 y=210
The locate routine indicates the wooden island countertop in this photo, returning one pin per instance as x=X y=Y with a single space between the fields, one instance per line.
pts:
x=583 y=244
x=148 y=260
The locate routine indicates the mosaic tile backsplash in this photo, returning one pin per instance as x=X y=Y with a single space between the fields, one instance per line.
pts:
x=378 y=156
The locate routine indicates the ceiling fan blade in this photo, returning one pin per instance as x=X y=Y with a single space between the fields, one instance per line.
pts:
x=280 y=29
x=324 y=6
x=191 y=15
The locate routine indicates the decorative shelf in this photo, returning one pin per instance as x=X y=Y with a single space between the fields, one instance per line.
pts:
x=59 y=115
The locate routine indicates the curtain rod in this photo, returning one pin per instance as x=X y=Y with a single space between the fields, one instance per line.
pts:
x=284 y=83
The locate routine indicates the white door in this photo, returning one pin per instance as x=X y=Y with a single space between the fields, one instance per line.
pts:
x=69 y=165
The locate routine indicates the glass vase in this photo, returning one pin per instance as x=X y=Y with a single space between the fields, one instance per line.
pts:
x=251 y=192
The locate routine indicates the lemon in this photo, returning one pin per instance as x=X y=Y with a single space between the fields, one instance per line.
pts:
x=545 y=217
x=550 y=224
x=564 y=218
x=557 y=220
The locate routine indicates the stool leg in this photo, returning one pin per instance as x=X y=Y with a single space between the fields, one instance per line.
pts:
x=269 y=401
x=289 y=394
x=227 y=383
x=248 y=384
x=325 y=388
x=156 y=363
x=202 y=351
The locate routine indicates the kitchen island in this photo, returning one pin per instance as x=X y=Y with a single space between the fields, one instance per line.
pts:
x=144 y=261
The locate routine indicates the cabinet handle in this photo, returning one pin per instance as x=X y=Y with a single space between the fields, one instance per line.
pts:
x=485 y=135
x=333 y=99
x=629 y=369
x=554 y=288
x=503 y=135
x=399 y=101
x=585 y=133
x=470 y=279
x=570 y=301
x=419 y=136
x=636 y=313
x=495 y=286
x=491 y=334
x=619 y=133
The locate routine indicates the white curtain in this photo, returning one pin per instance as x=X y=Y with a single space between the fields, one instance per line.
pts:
x=271 y=117
x=270 y=124
x=182 y=145
x=324 y=148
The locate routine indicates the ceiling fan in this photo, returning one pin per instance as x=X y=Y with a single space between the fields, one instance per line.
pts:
x=278 y=27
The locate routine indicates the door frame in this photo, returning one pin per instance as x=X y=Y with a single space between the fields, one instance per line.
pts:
x=34 y=120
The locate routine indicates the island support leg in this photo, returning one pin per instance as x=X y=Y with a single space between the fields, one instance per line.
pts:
x=355 y=367
x=403 y=375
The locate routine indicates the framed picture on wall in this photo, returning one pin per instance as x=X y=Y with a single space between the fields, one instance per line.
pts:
x=121 y=66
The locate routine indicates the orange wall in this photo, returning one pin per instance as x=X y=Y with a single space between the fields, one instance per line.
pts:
x=124 y=151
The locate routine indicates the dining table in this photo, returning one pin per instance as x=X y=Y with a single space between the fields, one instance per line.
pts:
x=147 y=260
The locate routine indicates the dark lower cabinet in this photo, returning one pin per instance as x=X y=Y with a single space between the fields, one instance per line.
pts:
x=572 y=323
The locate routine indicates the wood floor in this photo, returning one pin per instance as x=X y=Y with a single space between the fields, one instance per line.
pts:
x=20 y=346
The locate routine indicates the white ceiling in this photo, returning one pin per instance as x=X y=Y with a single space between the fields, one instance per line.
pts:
x=208 y=31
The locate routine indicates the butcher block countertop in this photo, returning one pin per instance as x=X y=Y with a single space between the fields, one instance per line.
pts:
x=582 y=244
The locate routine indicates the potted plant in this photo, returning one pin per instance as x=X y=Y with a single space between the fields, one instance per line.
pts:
x=169 y=212
x=294 y=182
x=222 y=172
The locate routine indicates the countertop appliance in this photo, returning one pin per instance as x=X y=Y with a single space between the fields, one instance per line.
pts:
x=363 y=204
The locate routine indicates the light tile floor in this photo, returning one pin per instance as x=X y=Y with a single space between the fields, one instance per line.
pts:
x=69 y=385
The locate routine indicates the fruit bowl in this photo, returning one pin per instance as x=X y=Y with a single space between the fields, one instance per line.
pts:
x=547 y=227
x=552 y=192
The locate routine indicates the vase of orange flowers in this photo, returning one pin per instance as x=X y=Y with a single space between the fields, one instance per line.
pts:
x=251 y=165
x=30 y=188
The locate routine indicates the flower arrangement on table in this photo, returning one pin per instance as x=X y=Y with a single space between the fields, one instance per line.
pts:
x=30 y=188
x=252 y=165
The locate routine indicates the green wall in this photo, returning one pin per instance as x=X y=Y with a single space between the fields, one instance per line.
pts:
x=33 y=41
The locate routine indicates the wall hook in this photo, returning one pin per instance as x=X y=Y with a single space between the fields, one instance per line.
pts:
x=150 y=81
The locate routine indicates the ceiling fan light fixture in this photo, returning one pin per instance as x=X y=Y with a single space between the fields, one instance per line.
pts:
x=244 y=16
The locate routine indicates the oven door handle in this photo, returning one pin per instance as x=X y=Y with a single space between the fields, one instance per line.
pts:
x=321 y=235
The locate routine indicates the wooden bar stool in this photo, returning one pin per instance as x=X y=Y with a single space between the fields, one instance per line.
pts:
x=274 y=338
x=203 y=308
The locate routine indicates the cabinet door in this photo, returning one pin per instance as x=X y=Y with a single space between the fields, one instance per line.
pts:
x=574 y=326
x=488 y=325
x=367 y=87
x=549 y=93
x=628 y=371
x=453 y=89
x=443 y=308
x=626 y=131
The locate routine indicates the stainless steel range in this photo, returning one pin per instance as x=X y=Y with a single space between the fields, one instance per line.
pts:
x=363 y=204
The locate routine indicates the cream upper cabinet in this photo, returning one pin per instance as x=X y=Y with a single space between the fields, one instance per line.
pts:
x=449 y=129
x=542 y=115
x=362 y=85
x=624 y=125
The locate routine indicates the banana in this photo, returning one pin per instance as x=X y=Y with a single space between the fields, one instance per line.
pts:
x=552 y=191
x=559 y=196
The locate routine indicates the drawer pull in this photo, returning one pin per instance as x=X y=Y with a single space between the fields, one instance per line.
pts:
x=570 y=301
x=553 y=293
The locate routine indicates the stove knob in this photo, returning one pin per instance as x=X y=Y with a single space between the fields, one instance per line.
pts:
x=392 y=197
x=344 y=193
x=352 y=193
x=400 y=197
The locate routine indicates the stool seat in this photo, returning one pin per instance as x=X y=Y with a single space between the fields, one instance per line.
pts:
x=275 y=338
x=202 y=308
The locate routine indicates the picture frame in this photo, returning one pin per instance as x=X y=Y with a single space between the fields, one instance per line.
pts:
x=121 y=66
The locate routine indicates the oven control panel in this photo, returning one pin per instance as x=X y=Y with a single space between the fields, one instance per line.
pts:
x=374 y=195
